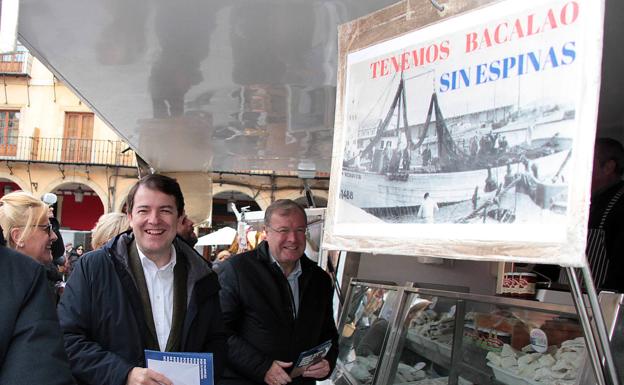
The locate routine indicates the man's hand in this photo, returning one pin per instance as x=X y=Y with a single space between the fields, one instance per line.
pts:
x=318 y=370
x=276 y=374
x=143 y=376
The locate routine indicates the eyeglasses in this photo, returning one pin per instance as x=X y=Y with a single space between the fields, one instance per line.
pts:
x=47 y=228
x=285 y=230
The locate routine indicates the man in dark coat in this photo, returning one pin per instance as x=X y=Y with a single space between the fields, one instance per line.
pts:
x=276 y=304
x=31 y=346
x=57 y=249
x=145 y=289
x=606 y=261
x=185 y=231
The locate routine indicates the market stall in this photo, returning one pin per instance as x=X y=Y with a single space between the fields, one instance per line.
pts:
x=463 y=132
x=223 y=236
x=404 y=335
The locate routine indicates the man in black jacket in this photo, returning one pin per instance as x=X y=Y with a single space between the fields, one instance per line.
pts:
x=31 y=346
x=605 y=239
x=57 y=250
x=145 y=289
x=185 y=231
x=276 y=304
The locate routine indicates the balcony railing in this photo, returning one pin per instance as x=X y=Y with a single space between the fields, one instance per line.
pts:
x=66 y=151
x=18 y=63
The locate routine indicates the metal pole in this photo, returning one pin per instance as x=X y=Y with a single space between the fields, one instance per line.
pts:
x=577 y=296
x=392 y=340
x=600 y=324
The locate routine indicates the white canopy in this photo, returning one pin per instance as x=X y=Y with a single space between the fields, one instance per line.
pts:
x=223 y=236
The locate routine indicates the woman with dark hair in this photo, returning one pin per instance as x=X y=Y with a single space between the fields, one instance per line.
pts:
x=74 y=255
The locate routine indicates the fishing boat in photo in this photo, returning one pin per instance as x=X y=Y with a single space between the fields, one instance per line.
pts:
x=398 y=163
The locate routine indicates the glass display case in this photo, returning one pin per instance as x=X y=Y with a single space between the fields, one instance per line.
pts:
x=421 y=336
x=365 y=327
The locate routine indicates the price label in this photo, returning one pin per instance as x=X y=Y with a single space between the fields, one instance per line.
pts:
x=539 y=340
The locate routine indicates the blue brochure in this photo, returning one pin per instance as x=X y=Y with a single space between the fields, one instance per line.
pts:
x=183 y=368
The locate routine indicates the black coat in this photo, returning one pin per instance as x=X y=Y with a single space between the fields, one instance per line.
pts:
x=255 y=299
x=614 y=234
x=102 y=317
x=31 y=345
x=58 y=247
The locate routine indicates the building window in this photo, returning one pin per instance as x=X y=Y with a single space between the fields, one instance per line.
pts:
x=78 y=137
x=9 y=130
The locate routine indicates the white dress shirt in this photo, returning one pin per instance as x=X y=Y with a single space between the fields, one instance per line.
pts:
x=160 y=288
x=293 y=282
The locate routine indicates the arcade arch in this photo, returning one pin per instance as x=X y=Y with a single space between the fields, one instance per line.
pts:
x=222 y=214
x=9 y=183
x=78 y=206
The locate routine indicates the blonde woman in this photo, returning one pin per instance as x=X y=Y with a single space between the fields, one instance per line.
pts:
x=107 y=227
x=26 y=227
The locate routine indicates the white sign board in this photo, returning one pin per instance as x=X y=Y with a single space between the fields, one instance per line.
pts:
x=472 y=137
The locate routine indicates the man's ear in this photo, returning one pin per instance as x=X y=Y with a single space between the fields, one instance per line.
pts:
x=609 y=167
x=181 y=218
x=15 y=234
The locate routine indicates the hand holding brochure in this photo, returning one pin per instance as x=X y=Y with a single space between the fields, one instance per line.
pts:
x=310 y=357
x=182 y=368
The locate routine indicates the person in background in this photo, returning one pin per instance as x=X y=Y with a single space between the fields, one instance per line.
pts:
x=605 y=239
x=221 y=257
x=31 y=345
x=55 y=269
x=107 y=227
x=427 y=209
x=68 y=248
x=186 y=231
x=66 y=266
x=234 y=249
x=58 y=252
x=276 y=304
x=605 y=235
x=145 y=289
x=27 y=229
x=74 y=255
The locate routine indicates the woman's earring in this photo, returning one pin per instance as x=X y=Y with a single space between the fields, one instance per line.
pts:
x=21 y=244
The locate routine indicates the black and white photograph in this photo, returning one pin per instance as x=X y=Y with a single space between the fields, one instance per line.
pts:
x=504 y=164
x=473 y=124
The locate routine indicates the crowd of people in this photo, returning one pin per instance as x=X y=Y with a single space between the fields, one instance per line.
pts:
x=144 y=287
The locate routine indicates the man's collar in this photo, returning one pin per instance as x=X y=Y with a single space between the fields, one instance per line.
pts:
x=295 y=272
x=145 y=261
x=606 y=187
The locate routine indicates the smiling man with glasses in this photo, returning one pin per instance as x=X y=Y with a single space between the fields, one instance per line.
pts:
x=276 y=304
